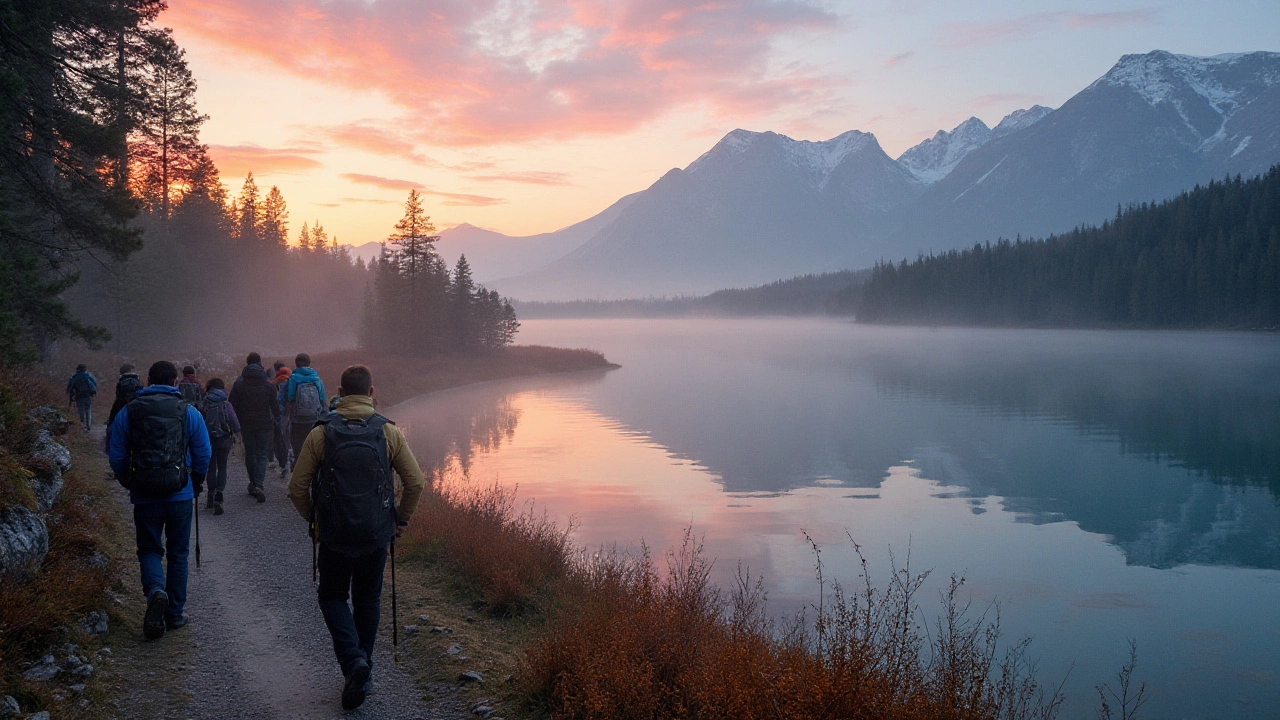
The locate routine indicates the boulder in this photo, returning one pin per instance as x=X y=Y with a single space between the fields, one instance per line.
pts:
x=24 y=540
x=47 y=482
x=9 y=708
x=95 y=623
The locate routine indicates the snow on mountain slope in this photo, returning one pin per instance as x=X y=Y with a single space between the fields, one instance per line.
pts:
x=1019 y=119
x=932 y=159
x=818 y=159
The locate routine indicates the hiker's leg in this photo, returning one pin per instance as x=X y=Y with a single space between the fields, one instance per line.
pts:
x=298 y=435
x=335 y=580
x=366 y=595
x=148 y=524
x=257 y=444
x=84 y=410
x=279 y=447
x=177 y=533
x=219 y=480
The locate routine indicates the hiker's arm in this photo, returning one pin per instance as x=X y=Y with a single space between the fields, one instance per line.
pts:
x=406 y=466
x=198 y=442
x=304 y=471
x=232 y=419
x=117 y=451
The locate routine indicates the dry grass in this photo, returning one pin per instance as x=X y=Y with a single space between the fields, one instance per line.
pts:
x=399 y=377
x=511 y=556
x=74 y=579
x=634 y=642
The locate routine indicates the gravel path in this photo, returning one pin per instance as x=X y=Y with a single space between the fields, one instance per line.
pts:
x=259 y=646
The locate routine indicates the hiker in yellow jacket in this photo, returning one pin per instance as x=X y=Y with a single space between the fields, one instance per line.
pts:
x=349 y=500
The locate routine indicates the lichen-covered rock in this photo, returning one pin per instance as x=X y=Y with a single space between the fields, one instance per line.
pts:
x=56 y=460
x=43 y=670
x=95 y=623
x=50 y=418
x=24 y=540
x=10 y=707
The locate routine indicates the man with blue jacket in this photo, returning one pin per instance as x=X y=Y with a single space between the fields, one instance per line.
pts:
x=304 y=401
x=160 y=452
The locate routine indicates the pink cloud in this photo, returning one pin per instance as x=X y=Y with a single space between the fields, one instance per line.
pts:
x=962 y=35
x=371 y=137
x=898 y=59
x=240 y=160
x=495 y=71
x=449 y=198
x=530 y=177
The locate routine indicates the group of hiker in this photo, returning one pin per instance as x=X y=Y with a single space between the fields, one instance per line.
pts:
x=165 y=440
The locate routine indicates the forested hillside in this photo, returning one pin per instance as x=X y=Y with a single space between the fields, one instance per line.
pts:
x=117 y=228
x=1208 y=258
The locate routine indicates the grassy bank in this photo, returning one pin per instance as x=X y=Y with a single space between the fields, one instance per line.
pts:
x=42 y=608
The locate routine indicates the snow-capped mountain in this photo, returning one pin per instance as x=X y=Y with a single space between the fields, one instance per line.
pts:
x=759 y=206
x=933 y=159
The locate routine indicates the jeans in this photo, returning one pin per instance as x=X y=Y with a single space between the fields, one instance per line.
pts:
x=172 y=520
x=218 y=469
x=84 y=410
x=353 y=628
x=257 y=445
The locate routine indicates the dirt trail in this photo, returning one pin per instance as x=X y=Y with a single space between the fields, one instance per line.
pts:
x=258 y=647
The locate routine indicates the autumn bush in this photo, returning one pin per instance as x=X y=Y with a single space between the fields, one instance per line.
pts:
x=512 y=555
x=636 y=642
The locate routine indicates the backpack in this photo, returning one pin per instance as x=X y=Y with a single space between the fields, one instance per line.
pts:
x=127 y=387
x=157 y=445
x=82 y=385
x=215 y=417
x=307 y=406
x=191 y=392
x=353 y=498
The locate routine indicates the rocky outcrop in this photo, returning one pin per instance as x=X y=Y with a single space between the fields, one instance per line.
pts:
x=24 y=537
x=53 y=460
x=24 y=540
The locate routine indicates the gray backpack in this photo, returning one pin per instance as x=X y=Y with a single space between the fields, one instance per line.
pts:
x=307 y=406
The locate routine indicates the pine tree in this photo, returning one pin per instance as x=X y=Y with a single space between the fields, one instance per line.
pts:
x=247 y=214
x=319 y=238
x=273 y=222
x=304 y=239
x=462 y=318
x=165 y=134
x=414 y=239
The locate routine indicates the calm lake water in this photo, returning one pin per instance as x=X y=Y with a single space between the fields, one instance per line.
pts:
x=1099 y=485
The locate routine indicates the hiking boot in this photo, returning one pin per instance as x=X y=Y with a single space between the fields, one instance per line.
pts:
x=257 y=493
x=217 y=507
x=153 y=621
x=175 y=622
x=353 y=691
x=208 y=503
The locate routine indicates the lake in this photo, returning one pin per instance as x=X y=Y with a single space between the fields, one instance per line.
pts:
x=1098 y=485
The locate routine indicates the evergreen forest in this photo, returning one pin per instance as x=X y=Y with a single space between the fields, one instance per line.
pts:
x=117 y=229
x=1208 y=258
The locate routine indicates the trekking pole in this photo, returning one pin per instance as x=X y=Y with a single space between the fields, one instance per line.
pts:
x=395 y=613
x=195 y=504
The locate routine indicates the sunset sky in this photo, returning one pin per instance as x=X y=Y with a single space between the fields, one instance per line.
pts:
x=528 y=115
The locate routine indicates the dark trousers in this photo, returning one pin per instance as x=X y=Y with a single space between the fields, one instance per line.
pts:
x=257 y=445
x=280 y=445
x=298 y=433
x=164 y=531
x=84 y=410
x=218 y=468
x=353 y=628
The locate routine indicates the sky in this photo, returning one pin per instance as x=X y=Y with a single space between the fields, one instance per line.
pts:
x=525 y=116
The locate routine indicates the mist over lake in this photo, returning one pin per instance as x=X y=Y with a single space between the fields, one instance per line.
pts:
x=1098 y=485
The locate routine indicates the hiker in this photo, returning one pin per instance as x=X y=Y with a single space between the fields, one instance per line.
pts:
x=190 y=387
x=304 y=401
x=126 y=388
x=154 y=440
x=220 y=418
x=81 y=389
x=280 y=440
x=347 y=496
x=254 y=399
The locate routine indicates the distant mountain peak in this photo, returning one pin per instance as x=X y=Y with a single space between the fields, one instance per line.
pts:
x=817 y=157
x=934 y=158
x=1195 y=86
x=1019 y=119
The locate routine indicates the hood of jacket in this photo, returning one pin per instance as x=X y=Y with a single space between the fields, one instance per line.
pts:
x=189 y=379
x=355 y=407
x=306 y=374
x=157 y=389
x=253 y=372
x=217 y=395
